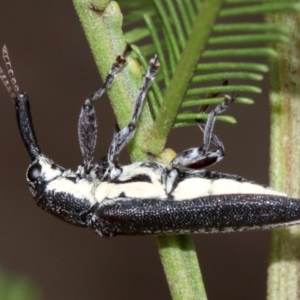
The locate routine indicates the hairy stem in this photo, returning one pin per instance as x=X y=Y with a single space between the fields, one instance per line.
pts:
x=181 y=267
x=284 y=269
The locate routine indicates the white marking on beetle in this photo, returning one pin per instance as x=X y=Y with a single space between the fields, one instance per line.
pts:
x=142 y=190
x=82 y=189
x=192 y=188
x=135 y=169
x=173 y=174
x=270 y=191
x=47 y=172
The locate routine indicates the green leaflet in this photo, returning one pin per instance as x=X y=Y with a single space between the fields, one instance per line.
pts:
x=165 y=29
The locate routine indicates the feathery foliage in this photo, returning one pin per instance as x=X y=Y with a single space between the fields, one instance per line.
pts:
x=164 y=27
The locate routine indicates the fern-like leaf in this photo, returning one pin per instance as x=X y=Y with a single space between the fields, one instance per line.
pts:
x=227 y=54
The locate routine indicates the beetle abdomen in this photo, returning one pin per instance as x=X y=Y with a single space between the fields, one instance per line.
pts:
x=222 y=213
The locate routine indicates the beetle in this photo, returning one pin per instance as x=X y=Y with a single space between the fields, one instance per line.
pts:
x=145 y=198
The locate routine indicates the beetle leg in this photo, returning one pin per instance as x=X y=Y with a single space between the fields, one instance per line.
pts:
x=87 y=124
x=123 y=137
x=198 y=158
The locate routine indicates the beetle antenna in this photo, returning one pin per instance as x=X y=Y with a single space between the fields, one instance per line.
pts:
x=10 y=83
x=22 y=107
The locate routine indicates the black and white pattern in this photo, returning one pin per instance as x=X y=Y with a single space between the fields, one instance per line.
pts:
x=145 y=197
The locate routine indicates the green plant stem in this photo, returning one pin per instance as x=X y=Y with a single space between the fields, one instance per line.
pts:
x=179 y=259
x=103 y=31
x=177 y=253
x=284 y=269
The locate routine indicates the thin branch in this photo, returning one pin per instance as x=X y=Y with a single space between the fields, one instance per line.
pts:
x=284 y=271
